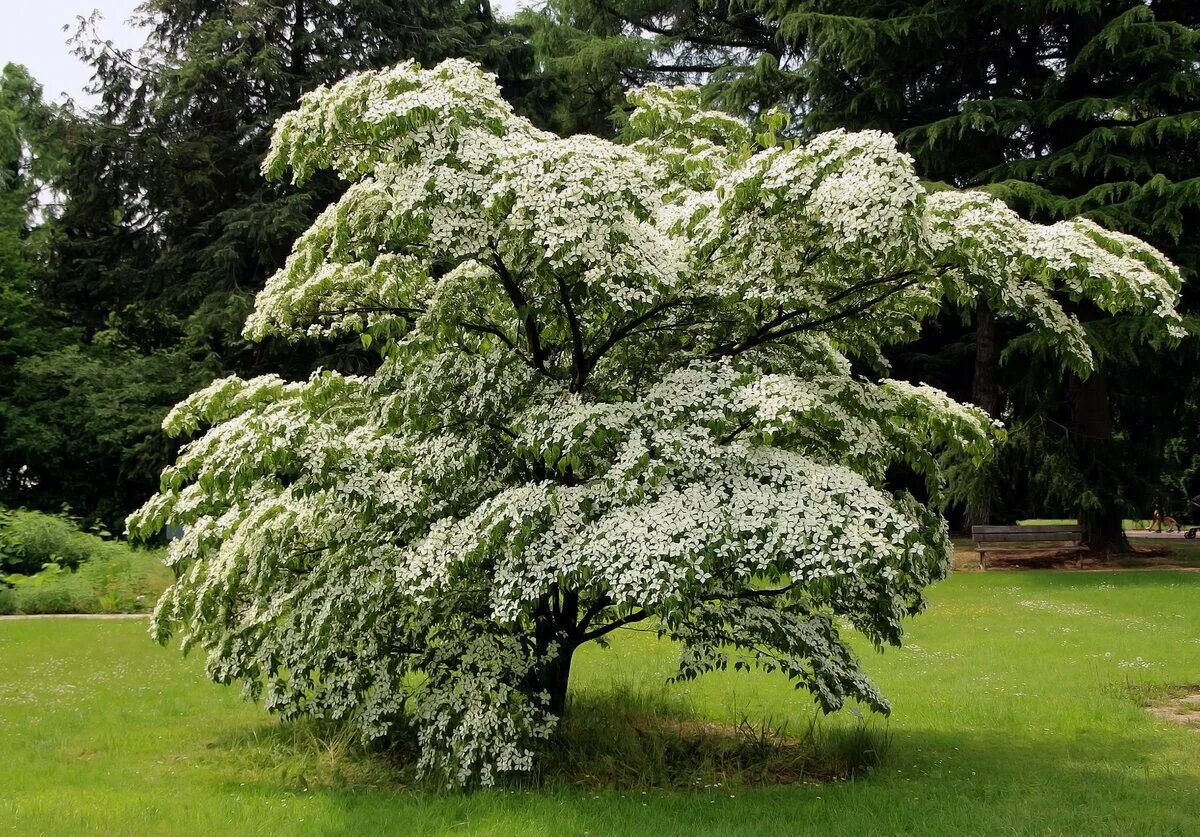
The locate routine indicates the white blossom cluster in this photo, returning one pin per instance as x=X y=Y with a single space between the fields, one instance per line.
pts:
x=615 y=386
x=1020 y=267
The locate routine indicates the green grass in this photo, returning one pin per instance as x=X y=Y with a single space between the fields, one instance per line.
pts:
x=1017 y=710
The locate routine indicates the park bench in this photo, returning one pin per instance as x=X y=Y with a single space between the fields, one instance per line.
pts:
x=1028 y=540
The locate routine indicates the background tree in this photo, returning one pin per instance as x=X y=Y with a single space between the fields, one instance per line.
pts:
x=167 y=229
x=615 y=386
x=1088 y=107
x=28 y=161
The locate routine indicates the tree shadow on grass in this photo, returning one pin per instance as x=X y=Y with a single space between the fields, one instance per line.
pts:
x=306 y=754
x=623 y=738
x=628 y=762
x=932 y=782
x=618 y=738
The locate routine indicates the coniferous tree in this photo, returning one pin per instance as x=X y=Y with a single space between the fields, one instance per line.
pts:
x=1086 y=107
x=27 y=163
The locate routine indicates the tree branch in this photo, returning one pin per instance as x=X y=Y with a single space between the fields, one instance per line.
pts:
x=755 y=593
x=494 y=330
x=579 y=360
x=592 y=612
x=624 y=330
x=765 y=334
x=693 y=37
x=612 y=626
x=735 y=432
x=533 y=334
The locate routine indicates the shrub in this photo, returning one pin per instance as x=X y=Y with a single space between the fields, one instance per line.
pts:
x=31 y=540
x=49 y=566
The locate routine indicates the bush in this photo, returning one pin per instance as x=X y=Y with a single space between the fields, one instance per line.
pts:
x=47 y=565
x=31 y=540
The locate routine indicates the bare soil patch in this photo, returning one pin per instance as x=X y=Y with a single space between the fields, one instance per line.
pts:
x=1183 y=709
x=1151 y=558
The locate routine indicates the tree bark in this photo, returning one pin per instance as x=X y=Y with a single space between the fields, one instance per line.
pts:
x=985 y=388
x=554 y=678
x=298 y=45
x=1096 y=455
x=555 y=640
x=985 y=394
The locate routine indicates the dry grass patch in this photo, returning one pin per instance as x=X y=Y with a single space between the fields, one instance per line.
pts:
x=1181 y=706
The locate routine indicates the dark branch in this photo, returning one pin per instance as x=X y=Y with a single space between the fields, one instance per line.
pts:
x=494 y=330
x=592 y=612
x=733 y=434
x=684 y=68
x=694 y=37
x=626 y=329
x=612 y=626
x=410 y=313
x=754 y=593
x=533 y=334
x=870 y=283
x=579 y=360
x=771 y=331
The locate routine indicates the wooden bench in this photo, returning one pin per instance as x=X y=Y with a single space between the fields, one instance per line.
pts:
x=1057 y=538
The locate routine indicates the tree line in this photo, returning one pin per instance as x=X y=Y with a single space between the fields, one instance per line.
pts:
x=135 y=234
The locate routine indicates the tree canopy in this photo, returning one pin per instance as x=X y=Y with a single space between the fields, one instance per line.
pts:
x=28 y=157
x=617 y=383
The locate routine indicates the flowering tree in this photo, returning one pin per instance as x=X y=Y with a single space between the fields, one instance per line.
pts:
x=615 y=386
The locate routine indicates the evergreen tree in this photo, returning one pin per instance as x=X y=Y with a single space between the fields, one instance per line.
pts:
x=1085 y=107
x=168 y=217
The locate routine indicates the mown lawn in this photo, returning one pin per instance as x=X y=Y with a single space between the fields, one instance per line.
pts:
x=1016 y=711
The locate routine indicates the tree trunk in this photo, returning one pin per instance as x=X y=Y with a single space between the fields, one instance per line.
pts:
x=555 y=677
x=1096 y=457
x=299 y=44
x=985 y=394
x=985 y=388
x=555 y=641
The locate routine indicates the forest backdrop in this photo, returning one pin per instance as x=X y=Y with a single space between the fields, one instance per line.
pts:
x=134 y=234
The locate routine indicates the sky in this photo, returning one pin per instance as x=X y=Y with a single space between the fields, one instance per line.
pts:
x=33 y=35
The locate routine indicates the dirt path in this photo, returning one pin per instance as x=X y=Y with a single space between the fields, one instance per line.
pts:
x=966 y=560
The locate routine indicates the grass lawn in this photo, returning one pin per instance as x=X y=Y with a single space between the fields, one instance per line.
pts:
x=1016 y=711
